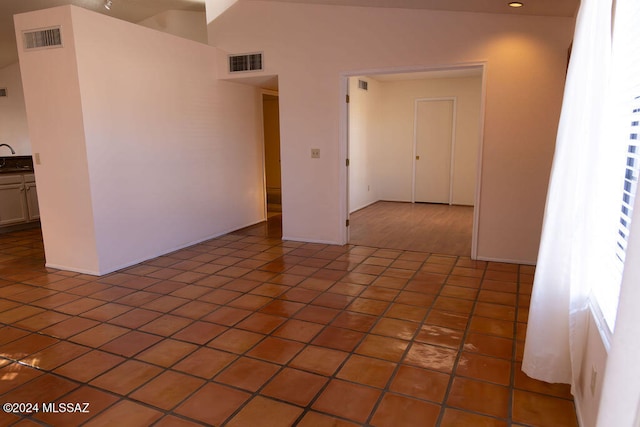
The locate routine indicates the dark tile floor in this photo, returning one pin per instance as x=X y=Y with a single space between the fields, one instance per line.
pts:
x=248 y=330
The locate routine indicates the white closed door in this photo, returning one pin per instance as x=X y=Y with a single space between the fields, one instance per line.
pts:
x=433 y=150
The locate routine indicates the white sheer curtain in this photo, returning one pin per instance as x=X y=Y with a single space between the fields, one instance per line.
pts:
x=573 y=229
x=620 y=403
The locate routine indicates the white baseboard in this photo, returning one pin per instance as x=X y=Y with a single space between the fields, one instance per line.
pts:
x=505 y=260
x=364 y=206
x=151 y=256
x=303 y=240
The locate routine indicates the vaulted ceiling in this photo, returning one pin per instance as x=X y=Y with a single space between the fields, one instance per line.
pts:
x=565 y=8
x=138 y=10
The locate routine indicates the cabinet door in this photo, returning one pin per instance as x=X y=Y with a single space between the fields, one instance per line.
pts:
x=13 y=204
x=32 y=201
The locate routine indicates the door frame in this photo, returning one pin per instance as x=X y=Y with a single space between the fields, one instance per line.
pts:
x=415 y=143
x=344 y=136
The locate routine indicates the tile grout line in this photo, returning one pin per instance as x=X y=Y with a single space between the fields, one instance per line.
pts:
x=309 y=268
x=460 y=348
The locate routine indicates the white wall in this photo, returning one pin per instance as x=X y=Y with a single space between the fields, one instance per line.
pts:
x=395 y=158
x=364 y=140
x=310 y=47
x=593 y=369
x=158 y=153
x=13 y=117
x=381 y=137
x=54 y=111
x=182 y=23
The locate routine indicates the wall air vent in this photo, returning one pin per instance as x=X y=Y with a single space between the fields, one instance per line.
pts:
x=3 y=91
x=246 y=62
x=39 y=39
x=362 y=84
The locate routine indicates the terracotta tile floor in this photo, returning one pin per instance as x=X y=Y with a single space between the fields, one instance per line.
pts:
x=248 y=330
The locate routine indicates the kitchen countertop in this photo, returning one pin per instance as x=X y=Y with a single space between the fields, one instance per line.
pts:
x=16 y=164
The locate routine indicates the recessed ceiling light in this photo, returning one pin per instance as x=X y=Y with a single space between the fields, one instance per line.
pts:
x=516 y=4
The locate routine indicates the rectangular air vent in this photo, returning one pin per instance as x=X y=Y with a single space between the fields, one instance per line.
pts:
x=362 y=84
x=3 y=91
x=38 y=39
x=246 y=62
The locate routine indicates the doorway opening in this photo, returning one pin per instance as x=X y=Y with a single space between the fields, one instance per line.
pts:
x=273 y=181
x=413 y=144
x=272 y=227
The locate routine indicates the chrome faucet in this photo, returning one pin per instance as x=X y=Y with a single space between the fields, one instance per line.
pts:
x=8 y=146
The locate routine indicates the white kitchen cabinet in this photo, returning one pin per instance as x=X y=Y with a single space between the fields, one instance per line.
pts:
x=32 y=197
x=18 y=199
